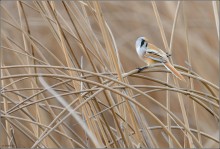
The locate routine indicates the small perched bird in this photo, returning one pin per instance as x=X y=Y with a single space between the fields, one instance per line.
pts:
x=151 y=54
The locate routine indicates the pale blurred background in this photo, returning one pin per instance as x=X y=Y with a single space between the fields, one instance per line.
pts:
x=128 y=21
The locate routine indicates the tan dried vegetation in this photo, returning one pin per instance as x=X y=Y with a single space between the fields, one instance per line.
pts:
x=69 y=77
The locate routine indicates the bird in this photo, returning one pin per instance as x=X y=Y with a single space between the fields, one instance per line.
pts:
x=151 y=54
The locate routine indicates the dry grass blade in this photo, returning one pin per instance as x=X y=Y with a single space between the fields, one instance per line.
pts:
x=216 y=14
x=68 y=75
x=169 y=51
x=70 y=110
x=183 y=109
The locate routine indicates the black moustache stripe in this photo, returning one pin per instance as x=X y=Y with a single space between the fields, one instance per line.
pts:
x=142 y=42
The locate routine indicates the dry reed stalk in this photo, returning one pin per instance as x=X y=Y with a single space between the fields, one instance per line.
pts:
x=70 y=84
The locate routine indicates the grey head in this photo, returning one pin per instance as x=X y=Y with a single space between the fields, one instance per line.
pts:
x=140 y=42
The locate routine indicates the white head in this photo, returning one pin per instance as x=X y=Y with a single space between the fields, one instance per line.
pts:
x=141 y=44
x=141 y=41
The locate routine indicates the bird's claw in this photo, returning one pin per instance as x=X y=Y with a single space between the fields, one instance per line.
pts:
x=168 y=55
x=141 y=69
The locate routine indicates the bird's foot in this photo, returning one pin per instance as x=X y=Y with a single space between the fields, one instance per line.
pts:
x=141 y=69
x=168 y=55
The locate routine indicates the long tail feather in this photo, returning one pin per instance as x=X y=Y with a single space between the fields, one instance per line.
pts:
x=174 y=71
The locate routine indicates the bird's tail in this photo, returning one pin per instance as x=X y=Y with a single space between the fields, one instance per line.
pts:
x=174 y=71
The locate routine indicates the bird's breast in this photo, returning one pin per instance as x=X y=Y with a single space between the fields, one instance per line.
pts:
x=141 y=52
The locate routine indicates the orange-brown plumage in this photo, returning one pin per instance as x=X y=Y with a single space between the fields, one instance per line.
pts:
x=174 y=71
x=151 y=54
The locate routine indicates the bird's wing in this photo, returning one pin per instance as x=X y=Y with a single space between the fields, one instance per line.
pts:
x=157 y=50
x=155 y=55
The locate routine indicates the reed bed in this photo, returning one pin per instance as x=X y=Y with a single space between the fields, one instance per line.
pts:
x=69 y=77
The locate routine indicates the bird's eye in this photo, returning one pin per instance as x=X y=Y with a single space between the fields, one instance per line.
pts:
x=142 y=42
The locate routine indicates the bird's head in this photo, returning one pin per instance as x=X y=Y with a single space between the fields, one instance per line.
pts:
x=140 y=42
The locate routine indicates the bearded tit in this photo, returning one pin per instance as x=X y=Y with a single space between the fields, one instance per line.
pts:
x=151 y=54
